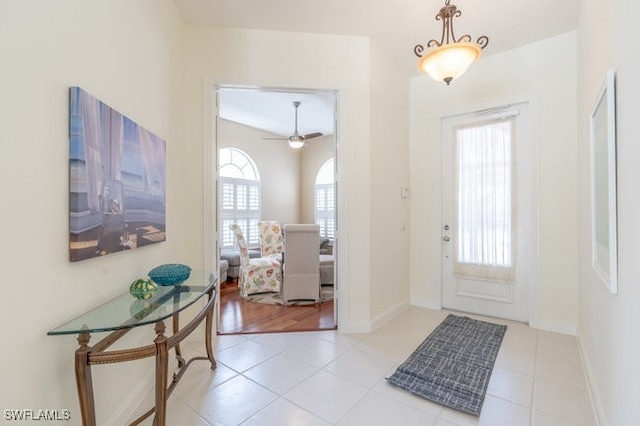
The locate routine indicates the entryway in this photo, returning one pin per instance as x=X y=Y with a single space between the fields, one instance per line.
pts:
x=489 y=213
x=262 y=175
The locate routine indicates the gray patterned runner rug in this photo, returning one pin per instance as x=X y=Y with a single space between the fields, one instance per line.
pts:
x=453 y=365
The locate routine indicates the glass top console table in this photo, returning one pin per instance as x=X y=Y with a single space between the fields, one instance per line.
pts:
x=121 y=315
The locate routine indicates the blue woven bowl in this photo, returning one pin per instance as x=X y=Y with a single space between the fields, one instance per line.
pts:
x=170 y=274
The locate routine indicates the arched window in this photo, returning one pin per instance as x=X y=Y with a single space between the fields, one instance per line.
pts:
x=239 y=197
x=325 y=204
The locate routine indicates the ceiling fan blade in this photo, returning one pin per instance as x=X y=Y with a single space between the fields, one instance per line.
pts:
x=313 y=135
x=296 y=137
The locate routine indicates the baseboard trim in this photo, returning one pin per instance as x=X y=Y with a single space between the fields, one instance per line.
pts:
x=434 y=305
x=389 y=314
x=375 y=323
x=571 y=330
x=592 y=388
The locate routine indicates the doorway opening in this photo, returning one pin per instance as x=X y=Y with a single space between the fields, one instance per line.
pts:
x=262 y=176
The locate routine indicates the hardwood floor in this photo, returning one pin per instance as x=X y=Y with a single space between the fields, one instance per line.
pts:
x=240 y=316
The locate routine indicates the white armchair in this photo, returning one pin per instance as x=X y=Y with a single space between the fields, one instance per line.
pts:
x=301 y=268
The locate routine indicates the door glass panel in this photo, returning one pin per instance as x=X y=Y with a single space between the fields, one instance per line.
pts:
x=485 y=196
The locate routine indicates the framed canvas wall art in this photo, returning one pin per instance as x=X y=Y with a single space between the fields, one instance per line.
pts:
x=116 y=180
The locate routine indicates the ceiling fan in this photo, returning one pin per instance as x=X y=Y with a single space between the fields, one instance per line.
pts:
x=296 y=140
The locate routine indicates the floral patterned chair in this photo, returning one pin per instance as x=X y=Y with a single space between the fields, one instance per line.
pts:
x=257 y=275
x=271 y=239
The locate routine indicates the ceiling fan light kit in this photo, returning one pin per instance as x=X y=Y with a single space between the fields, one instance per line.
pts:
x=449 y=58
x=297 y=141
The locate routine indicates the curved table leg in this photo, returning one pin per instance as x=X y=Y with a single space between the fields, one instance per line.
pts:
x=207 y=337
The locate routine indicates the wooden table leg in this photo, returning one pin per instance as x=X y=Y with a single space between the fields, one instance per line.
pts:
x=162 y=367
x=84 y=381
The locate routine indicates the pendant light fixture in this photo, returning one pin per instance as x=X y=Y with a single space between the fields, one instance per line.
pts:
x=449 y=58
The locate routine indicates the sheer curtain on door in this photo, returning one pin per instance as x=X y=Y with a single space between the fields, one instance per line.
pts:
x=485 y=200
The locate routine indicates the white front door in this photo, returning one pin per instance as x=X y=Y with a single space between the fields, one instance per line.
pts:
x=488 y=212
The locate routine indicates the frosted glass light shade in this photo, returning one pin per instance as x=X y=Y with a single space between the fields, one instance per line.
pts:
x=296 y=142
x=450 y=61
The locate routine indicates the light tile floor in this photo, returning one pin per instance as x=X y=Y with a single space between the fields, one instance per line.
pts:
x=329 y=378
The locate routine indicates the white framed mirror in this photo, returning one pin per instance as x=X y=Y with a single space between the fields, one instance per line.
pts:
x=603 y=184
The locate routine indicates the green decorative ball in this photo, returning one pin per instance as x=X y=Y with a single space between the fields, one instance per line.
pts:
x=142 y=289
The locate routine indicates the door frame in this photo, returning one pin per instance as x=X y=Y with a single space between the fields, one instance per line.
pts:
x=436 y=227
x=211 y=260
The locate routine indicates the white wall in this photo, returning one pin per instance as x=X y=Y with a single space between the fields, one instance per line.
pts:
x=544 y=71
x=608 y=331
x=261 y=58
x=389 y=168
x=312 y=157
x=128 y=54
x=278 y=166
